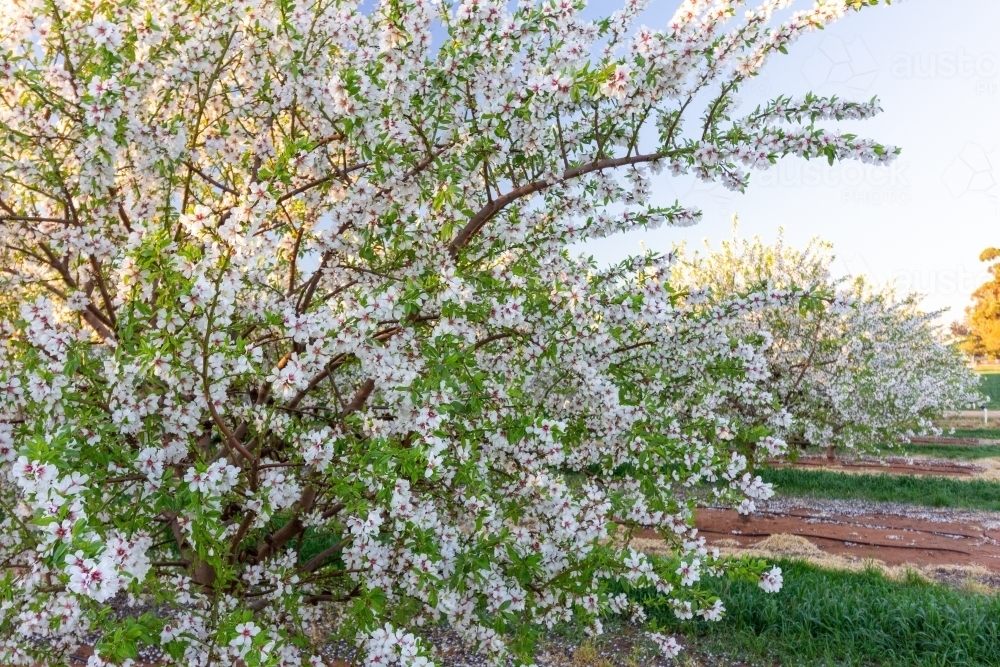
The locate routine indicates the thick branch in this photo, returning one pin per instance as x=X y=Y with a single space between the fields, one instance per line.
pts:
x=487 y=212
x=283 y=535
x=32 y=218
x=103 y=288
x=359 y=398
x=320 y=559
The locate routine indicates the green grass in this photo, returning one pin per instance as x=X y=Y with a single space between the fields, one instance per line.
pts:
x=966 y=453
x=927 y=491
x=989 y=384
x=822 y=617
x=985 y=433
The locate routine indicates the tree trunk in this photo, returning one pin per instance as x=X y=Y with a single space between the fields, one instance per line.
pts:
x=830 y=453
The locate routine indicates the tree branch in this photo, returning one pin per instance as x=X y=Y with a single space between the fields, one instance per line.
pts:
x=320 y=181
x=211 y=181
x=491 y=209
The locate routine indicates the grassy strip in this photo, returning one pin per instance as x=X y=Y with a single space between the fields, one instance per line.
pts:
x=968 y=453
x=927 y=491
x=823 y=617
x=984 y=433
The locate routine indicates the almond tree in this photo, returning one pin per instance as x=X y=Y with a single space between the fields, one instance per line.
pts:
x=290 y=327
x=862 y=368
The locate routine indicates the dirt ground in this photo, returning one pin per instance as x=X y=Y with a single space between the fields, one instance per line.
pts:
x=949 y=546
x=892 y=540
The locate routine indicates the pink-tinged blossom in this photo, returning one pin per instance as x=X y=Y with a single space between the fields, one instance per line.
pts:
x=771 y=581
x=32 y=476
x=169 y=633
x=245 y=632
x=668 y=646
x=7 y=451
x=95 y=579
x=714 y=612
x=104 y=33
x=689 y=572
x=617 y=84
x=59 y=531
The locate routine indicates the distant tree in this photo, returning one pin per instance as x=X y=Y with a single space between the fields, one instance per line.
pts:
x=959 y=330
x=963 y=338
x=861 y=368
x=981 y=331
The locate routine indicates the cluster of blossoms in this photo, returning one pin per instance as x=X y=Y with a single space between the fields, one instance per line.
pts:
x=289 y=321
x=97 y=566
x=386 y=646
x=861 y=368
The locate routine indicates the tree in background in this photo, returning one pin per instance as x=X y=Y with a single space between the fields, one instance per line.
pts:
x=294 y=332
x=862 y=369
x=980 y=333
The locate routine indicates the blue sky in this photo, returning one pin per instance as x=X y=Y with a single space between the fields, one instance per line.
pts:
x=921 y=222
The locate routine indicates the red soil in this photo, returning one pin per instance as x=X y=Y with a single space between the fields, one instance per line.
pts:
x=892 y=539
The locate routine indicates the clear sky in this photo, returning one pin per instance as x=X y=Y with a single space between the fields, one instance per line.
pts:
x=921 y=222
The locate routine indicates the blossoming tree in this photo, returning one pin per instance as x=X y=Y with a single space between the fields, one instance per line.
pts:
x=289 y=320
x=862 y=369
